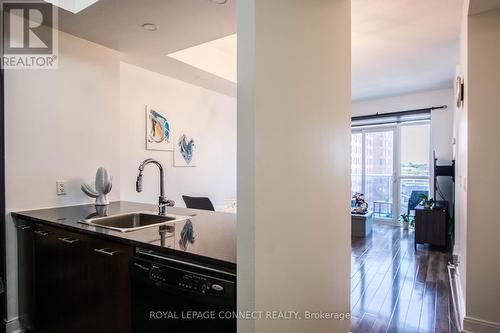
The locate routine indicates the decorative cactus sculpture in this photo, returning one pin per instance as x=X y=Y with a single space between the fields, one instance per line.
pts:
x=102 y=187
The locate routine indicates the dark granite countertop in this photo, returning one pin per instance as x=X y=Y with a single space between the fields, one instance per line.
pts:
x=215 y=233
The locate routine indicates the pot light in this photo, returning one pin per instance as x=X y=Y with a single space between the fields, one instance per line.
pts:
x=219 y=2
x=149 y=27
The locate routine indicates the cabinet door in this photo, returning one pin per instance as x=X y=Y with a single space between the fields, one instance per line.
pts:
x=58 y=276
x=47 y=281
x=25 y=274
x=437 y=230
x=108 y=285
x=81 y=284
x=421 y=226
x=73 y=247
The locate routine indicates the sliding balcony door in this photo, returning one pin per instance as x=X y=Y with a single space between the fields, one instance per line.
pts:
x=388 y=163
x=373 y=165
x=414 y=170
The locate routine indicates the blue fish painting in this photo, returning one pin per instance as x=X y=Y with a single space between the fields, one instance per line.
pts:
x=159 y=128
x=186 y=148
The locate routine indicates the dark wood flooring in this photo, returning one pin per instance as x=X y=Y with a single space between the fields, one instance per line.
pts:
x=397 y=289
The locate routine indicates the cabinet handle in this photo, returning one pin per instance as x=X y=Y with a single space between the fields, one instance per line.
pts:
x=41 y=232
x=24 y=227
x=106 y=251
x=69 y=240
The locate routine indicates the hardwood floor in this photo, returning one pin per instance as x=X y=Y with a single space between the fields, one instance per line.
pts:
x=397 y=289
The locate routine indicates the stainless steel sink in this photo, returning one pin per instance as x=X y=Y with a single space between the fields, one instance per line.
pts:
x=133 y=221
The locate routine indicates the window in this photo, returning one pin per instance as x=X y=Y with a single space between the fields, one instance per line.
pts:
x=356 y=162
x=389 y=163
x=415 y=156
x=379 y=152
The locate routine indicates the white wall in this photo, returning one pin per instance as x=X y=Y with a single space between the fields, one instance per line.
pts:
x=293 y=161
x=441 y=121
x=461 y=154
x=60 y=124
x=209 y=115
x=483 y=225
x=63 y=124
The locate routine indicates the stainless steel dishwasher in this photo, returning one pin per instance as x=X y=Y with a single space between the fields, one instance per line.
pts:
x=169 y=295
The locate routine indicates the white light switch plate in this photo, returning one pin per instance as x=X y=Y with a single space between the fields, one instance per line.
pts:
x=60 y=187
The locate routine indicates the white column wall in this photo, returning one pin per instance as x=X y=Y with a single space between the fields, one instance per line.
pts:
x=294 y=109
x=483 y=225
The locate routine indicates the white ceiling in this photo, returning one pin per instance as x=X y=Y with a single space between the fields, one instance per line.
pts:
x=403 y=46
x=398 y=46
x=181 y=24
x=217 y=57
x=479 y=6
x=73 y=6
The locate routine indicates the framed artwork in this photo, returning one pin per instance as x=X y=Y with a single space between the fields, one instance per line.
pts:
x=159 y=134
x=185 y=153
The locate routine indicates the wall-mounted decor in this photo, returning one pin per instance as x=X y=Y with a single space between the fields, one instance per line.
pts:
x=459 y=91
x=103 y=185
x=159 y=134
x=185 y=151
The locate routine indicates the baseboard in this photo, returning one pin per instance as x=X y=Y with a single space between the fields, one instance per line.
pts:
x=458 y=305
x=456 y=260
x=475 y=325
x=13 y=326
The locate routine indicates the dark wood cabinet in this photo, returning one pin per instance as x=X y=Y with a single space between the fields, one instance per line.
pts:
x=25 y=274
x=108 y=286
x=57 y=279
x=431 y=226
x=71 y=282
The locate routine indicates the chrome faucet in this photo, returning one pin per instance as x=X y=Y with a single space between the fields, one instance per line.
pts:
x=163 y=202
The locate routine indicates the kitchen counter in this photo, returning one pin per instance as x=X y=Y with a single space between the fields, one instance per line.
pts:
x=214 y=232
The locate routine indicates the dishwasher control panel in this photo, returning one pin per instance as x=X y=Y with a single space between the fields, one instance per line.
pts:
x=189 y=281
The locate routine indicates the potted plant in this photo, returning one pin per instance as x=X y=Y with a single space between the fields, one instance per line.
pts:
x=406 y=220
x=426 y=202
x=360 y=205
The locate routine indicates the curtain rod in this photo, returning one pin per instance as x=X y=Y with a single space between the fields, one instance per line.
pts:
x=399 y=113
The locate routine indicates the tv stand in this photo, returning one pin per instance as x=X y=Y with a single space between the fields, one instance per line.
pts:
x=431 y=225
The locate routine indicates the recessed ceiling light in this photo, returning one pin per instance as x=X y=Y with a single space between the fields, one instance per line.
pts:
x=149 y=27
x=219 y=2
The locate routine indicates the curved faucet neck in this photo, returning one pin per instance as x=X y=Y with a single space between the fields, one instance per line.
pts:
x=160 y=167
x=149 y=161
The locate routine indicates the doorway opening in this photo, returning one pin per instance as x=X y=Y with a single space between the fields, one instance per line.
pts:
x=395 y=287
x=389 y=164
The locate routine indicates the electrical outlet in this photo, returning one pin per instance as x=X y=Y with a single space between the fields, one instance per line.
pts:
x=60 y=187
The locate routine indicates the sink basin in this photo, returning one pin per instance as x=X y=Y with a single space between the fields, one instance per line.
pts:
x=133 y=221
